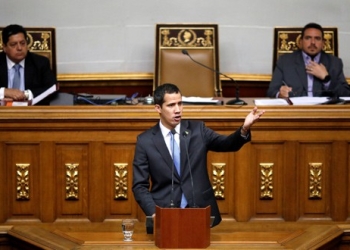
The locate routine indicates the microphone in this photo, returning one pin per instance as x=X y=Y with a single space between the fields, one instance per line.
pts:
x=236 y=101
x=184 y=134
x=172 y=205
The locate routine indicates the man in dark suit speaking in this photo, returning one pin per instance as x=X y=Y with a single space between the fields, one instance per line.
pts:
x=23 y=75
x=156 y=181
x=309 y=71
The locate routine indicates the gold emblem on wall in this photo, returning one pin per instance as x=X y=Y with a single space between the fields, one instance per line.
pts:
x=72 y=181
x=190 y=37
x=22 y=181
x=290 y=41
x=219 y=180
x=40 y=42
x=315 y=188
x=37 y=40
x=121 y=181
x=266 y=177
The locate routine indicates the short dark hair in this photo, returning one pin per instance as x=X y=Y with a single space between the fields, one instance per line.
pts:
x=161 y=90
x=12 y=29
x=313 y=26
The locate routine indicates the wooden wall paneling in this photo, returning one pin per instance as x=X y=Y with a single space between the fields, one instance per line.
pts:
x=339 y=172
x=4 y=177
x=267 y=173
x=347 y=191
x=120 y=201
x=314 y=176
x=97 y=137
x=72 y=186
x=221 y=170
x=22 y=161
x=230 y=184
x=47 y=182
x=244 y=185
x=98 y=178
x=290 y=181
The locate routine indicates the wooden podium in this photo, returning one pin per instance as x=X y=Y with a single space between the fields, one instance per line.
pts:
x=182 y=227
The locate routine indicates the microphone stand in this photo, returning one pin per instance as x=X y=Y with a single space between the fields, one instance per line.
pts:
x=189 y=168
x=172 y=205
x=236 y=101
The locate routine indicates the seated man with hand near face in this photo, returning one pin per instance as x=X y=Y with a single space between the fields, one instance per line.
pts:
x=309 y=71
x=23 y=75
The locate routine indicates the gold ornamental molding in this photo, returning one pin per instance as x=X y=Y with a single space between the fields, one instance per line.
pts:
x=72 y=181
x=62 y=78
x=218 y=180
x=104 y=77
x=121 y=181
x=315 y=178
x=22 y=185
x=266 y=184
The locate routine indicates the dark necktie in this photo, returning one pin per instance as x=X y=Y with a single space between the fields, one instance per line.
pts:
x=176 y=158
x=16 y=83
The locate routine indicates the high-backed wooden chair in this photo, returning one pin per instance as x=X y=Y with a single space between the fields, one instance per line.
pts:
x=173 y=66
x=41 y=41
x=287 y=39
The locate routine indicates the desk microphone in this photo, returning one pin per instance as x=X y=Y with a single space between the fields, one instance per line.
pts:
x=236 y=101
x=184 y=134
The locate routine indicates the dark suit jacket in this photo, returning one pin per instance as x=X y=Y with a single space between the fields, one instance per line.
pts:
x=38 y=76
x=153 y=163
x=291 y=69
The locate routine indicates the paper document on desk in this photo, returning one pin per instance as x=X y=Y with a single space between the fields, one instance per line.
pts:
x=306 y=100
x=274 y=101
x=199 y=100
x=303 y=100
x=345 y=98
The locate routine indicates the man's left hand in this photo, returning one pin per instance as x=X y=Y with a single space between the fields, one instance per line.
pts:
x=317 y=70
x=252 y=117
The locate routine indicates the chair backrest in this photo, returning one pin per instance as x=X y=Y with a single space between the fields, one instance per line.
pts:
x=41 y=41
x=287 y=39
x=172 y=66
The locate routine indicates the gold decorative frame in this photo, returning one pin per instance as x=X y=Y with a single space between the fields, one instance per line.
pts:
x=41 y=41
x=286 y=40
x=72 y=181
x=315 y=180
x=266 y=181
x=171 y=65
x=23 y=184
x=218 y=180
x=120 y=181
